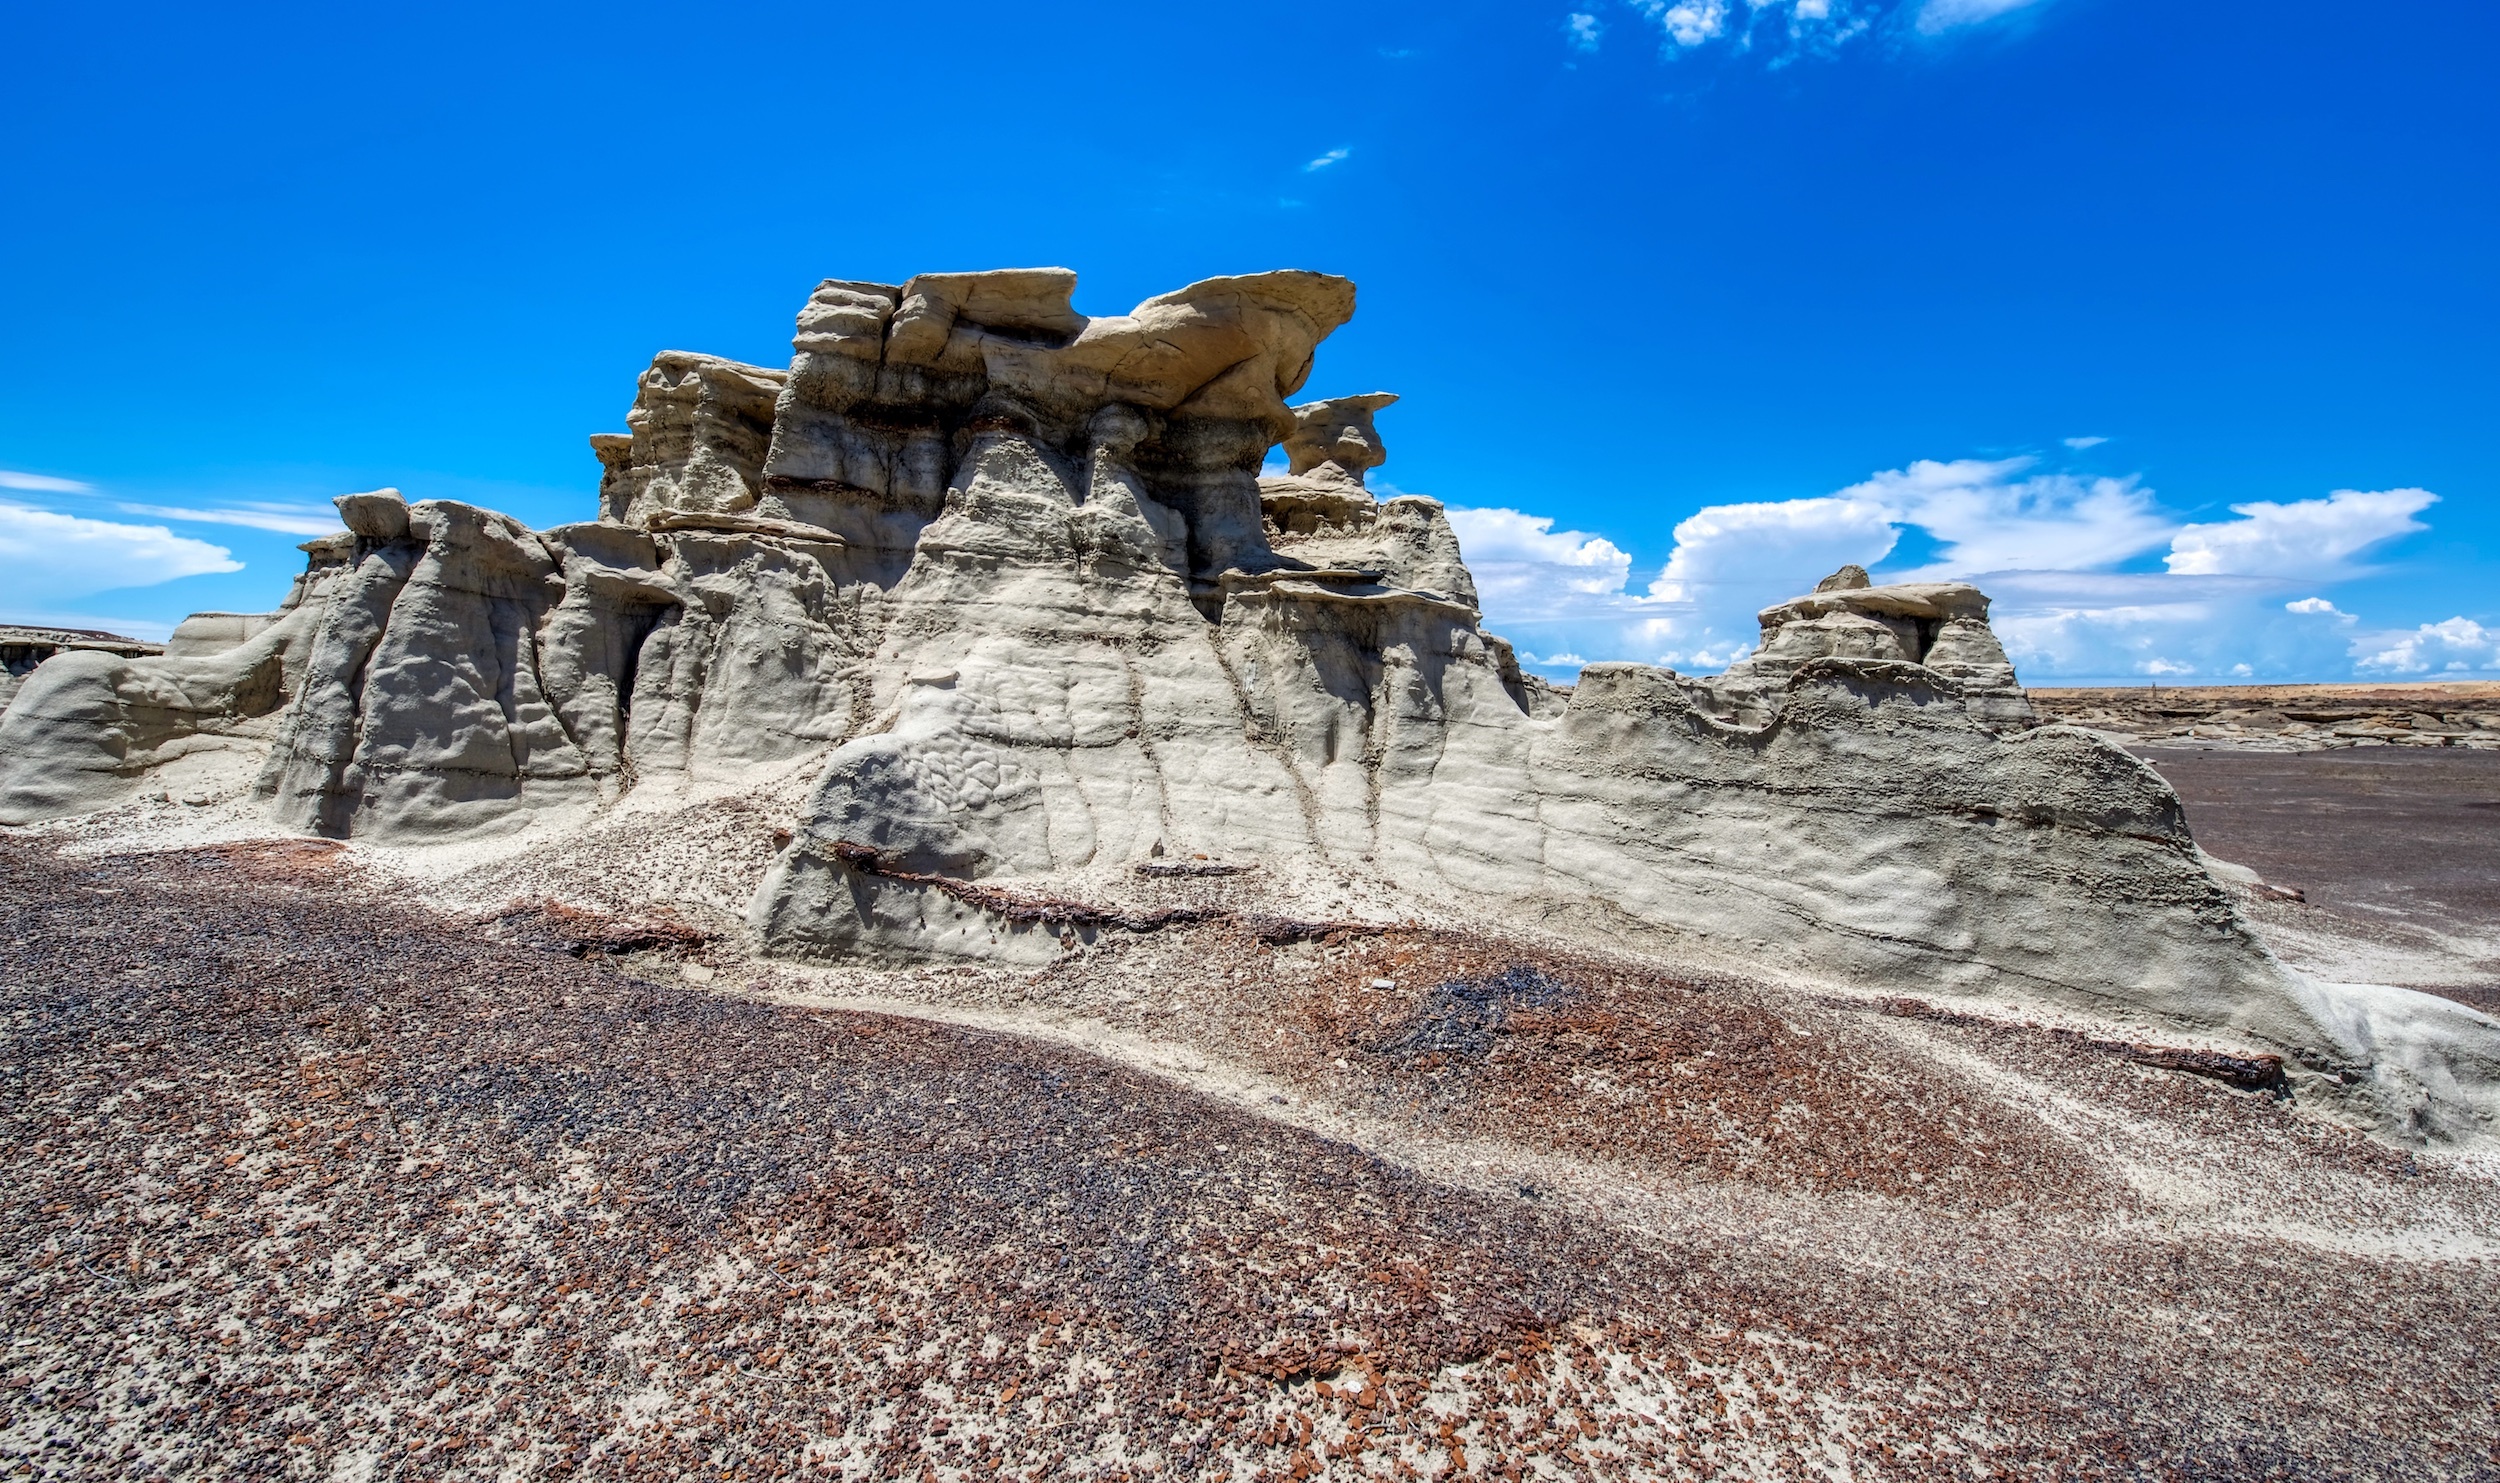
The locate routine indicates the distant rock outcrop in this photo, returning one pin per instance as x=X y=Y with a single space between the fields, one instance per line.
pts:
x=22 y=648
x=1012 y=573
x=1940 y=625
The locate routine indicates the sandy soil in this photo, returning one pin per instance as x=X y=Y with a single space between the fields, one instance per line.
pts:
x=303 y=1180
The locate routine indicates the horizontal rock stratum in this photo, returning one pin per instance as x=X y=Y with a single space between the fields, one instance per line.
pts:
x=1009 y=579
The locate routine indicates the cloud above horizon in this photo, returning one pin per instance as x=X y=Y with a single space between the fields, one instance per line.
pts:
x=53 y=558
x=59 y=545
x=2452 y=646
x=2048 y=545
x=2312 y=538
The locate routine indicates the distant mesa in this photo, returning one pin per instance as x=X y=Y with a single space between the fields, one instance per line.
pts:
x=1007 y=583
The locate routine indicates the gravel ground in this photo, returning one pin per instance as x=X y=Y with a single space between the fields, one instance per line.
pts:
x=303 y=1181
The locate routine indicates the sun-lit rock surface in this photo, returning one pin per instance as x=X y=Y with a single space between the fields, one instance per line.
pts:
x=1007 y=578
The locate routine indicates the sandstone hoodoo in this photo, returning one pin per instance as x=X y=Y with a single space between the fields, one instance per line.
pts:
x=1008 y=583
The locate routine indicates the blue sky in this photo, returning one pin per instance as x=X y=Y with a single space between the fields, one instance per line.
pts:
x=2173 y=325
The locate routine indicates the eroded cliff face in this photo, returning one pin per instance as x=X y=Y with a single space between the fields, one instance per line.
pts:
x=1014 y=576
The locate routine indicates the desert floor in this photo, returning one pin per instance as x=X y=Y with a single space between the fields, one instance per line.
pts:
x=303 y=1179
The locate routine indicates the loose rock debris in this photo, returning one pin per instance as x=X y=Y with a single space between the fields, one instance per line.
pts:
x=306 y=1185
x=556 y=927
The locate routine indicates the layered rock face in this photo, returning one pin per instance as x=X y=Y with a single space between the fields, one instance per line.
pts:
x=1941 y=625
x=1013 y=573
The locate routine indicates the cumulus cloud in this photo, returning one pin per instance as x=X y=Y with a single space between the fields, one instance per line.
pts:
x=2309 y=538
x=1582 y=31
x=1731 y=561
x=1687 y=22
x=1991 y=520
x=49 y=557
x=2453 y=646
x=1526 y=568
x=1746 y=557
x=2046 y=544
x=1333 y=157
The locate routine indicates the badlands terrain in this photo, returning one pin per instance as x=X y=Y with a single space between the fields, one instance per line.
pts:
x=969 y=926
x=310 y=1176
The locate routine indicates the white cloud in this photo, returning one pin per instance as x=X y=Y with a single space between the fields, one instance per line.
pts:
x=1526 y=569
x=1702 y=657
x=1731 y=557
x=2041 y=544
x=42 y=483
x=1333 y=157
x=1564 y=660
x=1809 y=26
x=2306 y=538
x=2079 y=444
x=1938 y=16
x=2452 y=646
x=1687 y=22
x=48 y=557
x=1731 y=561
x=294 y=520
x=1583 y=31
x=1989 y=520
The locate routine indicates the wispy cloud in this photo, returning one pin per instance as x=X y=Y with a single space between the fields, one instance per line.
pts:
x=285 y=519
x=2310 y=538
x=1335 y=156
x=42 y=483
x=1583 y=31
x=293 y=520
x=2079 y=444
x=50 y=557
x=1938 y=16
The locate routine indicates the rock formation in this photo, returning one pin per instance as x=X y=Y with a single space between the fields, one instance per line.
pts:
x=22 y=648
x=1013 y=575
x=1941 y=625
